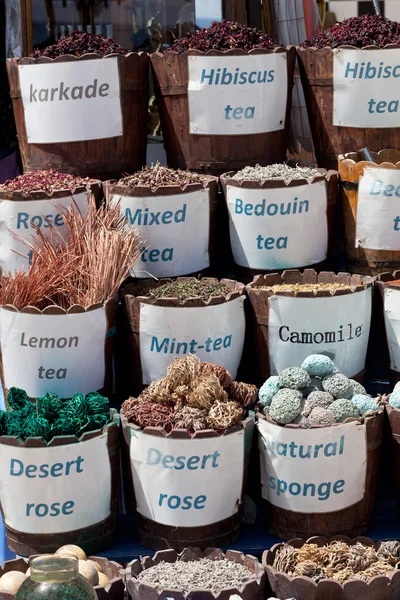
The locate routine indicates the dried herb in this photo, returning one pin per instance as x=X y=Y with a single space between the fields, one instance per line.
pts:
x=307 y=287
x=45 y=181
x=189 y=288
x=79 y=43
x=276 y=171
x=156 y=176
x=223 y=35
x=367 y=30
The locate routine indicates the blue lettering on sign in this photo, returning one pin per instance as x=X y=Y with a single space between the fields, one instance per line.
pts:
x=192 y=463
x=322 y=491
x=172 y=346
x=238 y=77
x=24 y=220
x=145 y=217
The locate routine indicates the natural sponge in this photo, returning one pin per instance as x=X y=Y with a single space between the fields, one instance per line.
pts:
x=357 y=387
x=394 y=398
x=338 y=385
x=285 y=406
x=364 y=403
x=321 y=416
x=294 y=378
x=318 y=365
x=314 y=386
x=344 y=409
x=317 y=399
x=268 y=390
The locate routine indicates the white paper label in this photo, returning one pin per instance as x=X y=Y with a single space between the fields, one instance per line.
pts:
x=21 y=218
x=214 y=333
x=235 y=95
x=313 y=470
x=392 y=324
x=337 y=326
x=279 y=228
x=175 y=231
x=56 y=489
x=63 y=354
x=71 y=101
x=366 y=87
x=187 y=482
x=378 y=210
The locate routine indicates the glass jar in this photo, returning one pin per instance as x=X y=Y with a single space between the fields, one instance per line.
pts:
x=53 y=577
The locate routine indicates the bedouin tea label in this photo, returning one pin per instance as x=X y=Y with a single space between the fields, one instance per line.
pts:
x=21 y=217
x=337 y=326
x=392 y=324
x=366 y=88
x=55 y=489
x=175 y=231
x=235 y=95
x=278 y=228
x=187 y=482
x=214 y=333
x=61 y=353
x=71 y=101
x=317 y=470
x=378 y=210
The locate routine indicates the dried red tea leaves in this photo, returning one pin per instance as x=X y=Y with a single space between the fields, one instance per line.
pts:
x=367 y=30
x=223 y=35
x=44 y=181
x=79 y=43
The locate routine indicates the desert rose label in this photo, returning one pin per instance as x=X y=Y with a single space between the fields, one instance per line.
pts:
x=235 y=95
x=72 y=101
x=366 y=88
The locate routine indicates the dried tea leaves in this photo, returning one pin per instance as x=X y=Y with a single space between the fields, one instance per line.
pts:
x=44 y=181
x=189 y=288
x=157 y=176
x=79 y=43
x=307 y=287
x=276 y=171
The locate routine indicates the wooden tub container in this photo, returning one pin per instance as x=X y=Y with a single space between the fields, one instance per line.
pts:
x=371 y=245
x=317 y=72
x=31 y=518
x=288 y=242
x=114 y=590
x=20 y=214
x=68 y=351
x=181 y=241
x=163 y=328
x=252 y=590
x=288 y=326
x=121 y=145
x=333 y=495
x=165 y=528
x=382 y=587
x=388 y=307
x=195 y=139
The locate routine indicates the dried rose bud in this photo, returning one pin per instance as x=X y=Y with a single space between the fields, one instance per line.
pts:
x=44 y=181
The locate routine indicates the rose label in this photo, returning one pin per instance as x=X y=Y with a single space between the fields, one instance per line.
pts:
x=278 y=228
x=214 y=333
x=64 y=353
x=187 y=482
x=312 y=470
x=392 y=324
x=55 y=489
x=366 y=85
x=378 y=210
x=175 y=230
x=22 y=217
x=236 y=95
x=71 y=101
x=337 y=326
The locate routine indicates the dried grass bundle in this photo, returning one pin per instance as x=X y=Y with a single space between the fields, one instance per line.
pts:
x=85 y=264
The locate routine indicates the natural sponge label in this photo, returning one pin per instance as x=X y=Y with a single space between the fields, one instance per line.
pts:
x=312 y=470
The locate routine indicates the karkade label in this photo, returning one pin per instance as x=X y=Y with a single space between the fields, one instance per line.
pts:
x=187 y=482
x=56 y=489
x=175 y=231
x=21 y=217
x=313 y=470
x=392 y=325
x=337 y=326
x=279 y=228
x=214 y=333
x=378 y=210
x=236 y=95
x=61 y=353
x=71 y=101
x=366 y=87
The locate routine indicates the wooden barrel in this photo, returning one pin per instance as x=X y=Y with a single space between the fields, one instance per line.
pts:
x=287 y=331
x=316 y=69
x=95 y=457
x=218 y=532
x=212 y=153
x=160 y=329
x=352 y=520
x=177 y=225
x=390 y=298
x=101 y=158
x=299 y=197
x=366 y=261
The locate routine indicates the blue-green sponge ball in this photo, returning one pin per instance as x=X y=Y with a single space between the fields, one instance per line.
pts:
x=268 y=390
x=364 y=403
x=285 y=406
x=294 y=378
x=394 y=399
x=343 y=409
x=318 y=365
